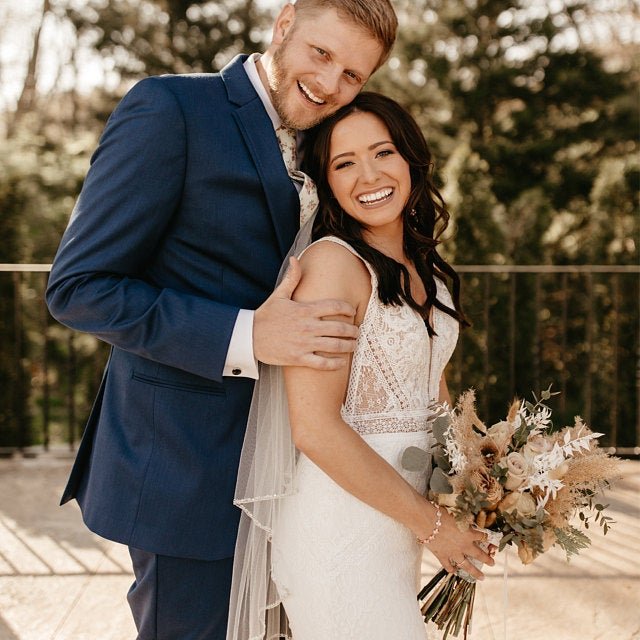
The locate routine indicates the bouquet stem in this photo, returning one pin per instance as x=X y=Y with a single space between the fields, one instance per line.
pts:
x=448 y=603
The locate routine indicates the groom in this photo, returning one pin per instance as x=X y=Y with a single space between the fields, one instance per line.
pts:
x=185 y=216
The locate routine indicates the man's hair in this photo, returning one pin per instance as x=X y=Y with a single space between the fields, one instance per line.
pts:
x=376 y=17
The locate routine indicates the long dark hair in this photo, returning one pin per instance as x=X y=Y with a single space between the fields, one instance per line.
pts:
x=425 y=215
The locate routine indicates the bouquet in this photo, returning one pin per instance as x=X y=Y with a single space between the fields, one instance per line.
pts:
x=519 y=481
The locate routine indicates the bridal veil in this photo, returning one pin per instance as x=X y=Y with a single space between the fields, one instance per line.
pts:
x=265 y=475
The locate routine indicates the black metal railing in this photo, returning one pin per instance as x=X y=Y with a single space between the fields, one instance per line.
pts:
x=576 y=327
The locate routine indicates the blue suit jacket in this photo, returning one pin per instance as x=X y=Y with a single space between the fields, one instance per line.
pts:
x=185 y=216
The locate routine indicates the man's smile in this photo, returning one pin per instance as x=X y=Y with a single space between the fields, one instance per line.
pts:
x=309 y=95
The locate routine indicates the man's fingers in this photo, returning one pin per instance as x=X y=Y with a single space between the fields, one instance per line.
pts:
x=334 y=329
x=328 y=308
x=332 y=346
x=323 y=363
x=290 y=280
x=286 y=332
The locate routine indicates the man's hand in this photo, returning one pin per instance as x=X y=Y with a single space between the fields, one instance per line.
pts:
x=292 y=333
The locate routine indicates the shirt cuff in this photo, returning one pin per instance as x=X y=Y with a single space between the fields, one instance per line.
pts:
x=240 y=362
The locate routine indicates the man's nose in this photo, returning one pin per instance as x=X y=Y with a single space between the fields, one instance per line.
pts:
x=329 y=80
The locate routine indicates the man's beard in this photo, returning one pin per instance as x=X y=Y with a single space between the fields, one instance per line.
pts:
x=279 y=78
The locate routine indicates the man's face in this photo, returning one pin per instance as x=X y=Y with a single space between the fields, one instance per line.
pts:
x=318 y=65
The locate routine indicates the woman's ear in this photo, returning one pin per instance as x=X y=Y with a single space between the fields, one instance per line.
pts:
x=283 y=24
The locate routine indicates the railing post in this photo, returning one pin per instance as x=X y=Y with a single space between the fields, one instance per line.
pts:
x=487 y=341
x=46 y=396
x=536 y=334
x=637 y=442
x=19 y=400
x=458 y=355
x=564 y=325
x=71 y=390
x=588 y=391
x=613 y=440
x=512 y=335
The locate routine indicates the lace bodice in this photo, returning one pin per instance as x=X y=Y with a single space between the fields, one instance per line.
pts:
x=396 y=366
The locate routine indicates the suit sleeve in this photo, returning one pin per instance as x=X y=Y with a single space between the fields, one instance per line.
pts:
x=129 y=197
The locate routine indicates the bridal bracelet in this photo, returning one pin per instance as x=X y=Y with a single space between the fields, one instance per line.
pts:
x=436 y=526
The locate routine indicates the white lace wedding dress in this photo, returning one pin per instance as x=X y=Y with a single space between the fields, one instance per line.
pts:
x=345 y=571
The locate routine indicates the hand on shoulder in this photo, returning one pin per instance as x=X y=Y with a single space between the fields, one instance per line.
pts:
x=309 y=319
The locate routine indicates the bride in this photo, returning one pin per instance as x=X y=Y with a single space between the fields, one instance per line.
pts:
x=333 y=527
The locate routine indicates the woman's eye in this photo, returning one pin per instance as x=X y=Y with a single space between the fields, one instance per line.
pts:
x=342 y=165
x=322 y=52
x=384 y=152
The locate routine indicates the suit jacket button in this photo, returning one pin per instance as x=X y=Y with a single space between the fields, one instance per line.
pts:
x=236 y=372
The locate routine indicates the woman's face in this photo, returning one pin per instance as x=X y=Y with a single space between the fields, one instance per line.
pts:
x=367 y=175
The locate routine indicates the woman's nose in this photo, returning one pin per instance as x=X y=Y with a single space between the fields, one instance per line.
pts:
x=370 y=172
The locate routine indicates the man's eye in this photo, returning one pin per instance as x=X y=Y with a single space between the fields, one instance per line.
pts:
x=352 y=76
x=322 y=52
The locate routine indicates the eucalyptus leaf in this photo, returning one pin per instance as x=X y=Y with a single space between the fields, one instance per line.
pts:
x=529 y=522
x=504 y=541
x=440 y=426
x=439 y=482
x=415 y=459
x=440 y=459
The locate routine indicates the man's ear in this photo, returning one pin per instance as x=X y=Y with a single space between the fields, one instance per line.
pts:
x=283 y=24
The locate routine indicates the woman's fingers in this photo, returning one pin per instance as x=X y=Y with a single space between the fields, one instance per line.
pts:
x=457 y=549
x=450 y=565
x=484 y=555
x=468 y=565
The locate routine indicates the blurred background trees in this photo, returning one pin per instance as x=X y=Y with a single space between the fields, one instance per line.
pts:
x=531 y=108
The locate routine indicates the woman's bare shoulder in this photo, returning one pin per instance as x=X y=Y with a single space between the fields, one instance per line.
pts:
x=331 y=270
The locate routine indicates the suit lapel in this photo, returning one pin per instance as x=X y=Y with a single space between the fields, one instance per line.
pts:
x=260 y=138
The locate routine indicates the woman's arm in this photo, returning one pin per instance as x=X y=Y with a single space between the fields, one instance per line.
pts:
x=443 y=393
x=315 y=398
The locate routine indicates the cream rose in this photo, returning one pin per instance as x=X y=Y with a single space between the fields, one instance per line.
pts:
x=523 y=503
x=535 y=446
x=516 y=470
x=508 y=503
x=501 y=434
x=526 y=505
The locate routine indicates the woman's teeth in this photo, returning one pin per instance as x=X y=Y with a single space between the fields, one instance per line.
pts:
x=374 y=198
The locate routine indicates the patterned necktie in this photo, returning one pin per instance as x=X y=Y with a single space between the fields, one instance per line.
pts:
x=307 y=193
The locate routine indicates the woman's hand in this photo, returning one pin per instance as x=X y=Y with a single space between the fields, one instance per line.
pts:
x=454 y=549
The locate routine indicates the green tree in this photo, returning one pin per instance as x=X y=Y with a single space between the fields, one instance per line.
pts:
x=509 y=83
x=150 y=37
